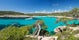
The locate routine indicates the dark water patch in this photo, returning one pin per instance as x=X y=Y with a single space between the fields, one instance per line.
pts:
x=14 y=17
x=37 y=18
x=2 y=26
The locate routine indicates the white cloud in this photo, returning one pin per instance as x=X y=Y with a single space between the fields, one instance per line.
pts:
x=43 y=11
x=59 y=10
x=52 y=11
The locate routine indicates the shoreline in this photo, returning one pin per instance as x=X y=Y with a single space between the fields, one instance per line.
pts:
x=25 y=16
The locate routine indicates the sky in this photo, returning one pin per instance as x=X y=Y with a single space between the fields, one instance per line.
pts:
x=38 y=6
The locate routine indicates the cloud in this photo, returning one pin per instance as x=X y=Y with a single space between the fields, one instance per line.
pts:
x=59 y=10
x=43 y=11
x=52 y=11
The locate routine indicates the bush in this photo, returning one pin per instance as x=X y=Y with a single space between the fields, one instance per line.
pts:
x=67 y=35
x=29 y=38
x=14 y=33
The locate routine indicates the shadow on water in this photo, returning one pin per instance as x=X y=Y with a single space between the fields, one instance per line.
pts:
x=37 y=18
x=13 y=17
x=4 y=26
x=17 y=24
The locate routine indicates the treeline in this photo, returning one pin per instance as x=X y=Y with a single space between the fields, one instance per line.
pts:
x=10 y=13
x=74 y=11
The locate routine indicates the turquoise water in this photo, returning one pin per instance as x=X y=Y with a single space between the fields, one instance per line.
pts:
x=50 y=22
x=4 y=22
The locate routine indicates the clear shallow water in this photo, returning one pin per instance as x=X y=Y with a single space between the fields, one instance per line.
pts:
x=50 y=22
x=9 y=21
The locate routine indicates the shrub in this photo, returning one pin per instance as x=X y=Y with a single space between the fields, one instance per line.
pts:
x=14 y=33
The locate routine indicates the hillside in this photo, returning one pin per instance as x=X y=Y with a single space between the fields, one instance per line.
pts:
x=10 y=13
x=72 y=12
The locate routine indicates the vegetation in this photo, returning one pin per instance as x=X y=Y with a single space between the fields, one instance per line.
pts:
x=18 y=33
x=71 y=13
x=29 y=38
x=64 y=19
x=67 y=35
x=14 y=33
x=43 y=31
x=42 y=24
x=10 y=13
